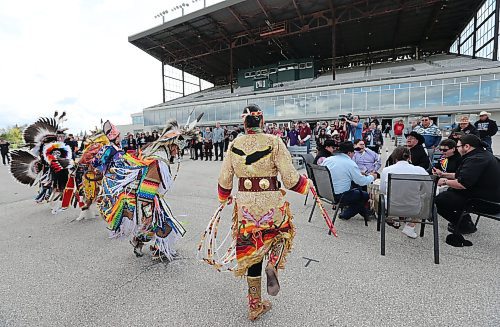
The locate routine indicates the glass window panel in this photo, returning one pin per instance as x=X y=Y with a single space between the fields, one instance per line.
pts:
x=434 y=96
x=148 y=118
x=451 y=95
x=373 y=100
x=470 y=93
x=162 y=117
x=387 y=99
x=346 y=102
x=404 y=85
x=288 y=109
x=359 y=102
x=402 y=99
x=310 y=103
x=417 y=97
x=490 y=92
x=224 y=111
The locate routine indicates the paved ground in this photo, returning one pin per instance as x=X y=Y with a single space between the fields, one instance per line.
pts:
x=59 y=272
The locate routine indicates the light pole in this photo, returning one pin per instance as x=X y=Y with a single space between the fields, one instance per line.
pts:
x=181 y=6
x=204 y=2
x=162 y=15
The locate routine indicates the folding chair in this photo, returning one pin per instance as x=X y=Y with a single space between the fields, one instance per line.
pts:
x=308 y=160
x=410 y=196
x=324 y=188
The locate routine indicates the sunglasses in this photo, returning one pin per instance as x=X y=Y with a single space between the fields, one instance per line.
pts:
x=444 y=149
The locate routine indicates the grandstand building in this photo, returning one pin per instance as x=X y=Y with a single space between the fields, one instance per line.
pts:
x=315 y=60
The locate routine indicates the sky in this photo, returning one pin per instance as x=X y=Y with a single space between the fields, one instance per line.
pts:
x=74 y=56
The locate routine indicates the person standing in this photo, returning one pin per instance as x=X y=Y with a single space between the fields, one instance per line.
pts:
x=465 y=127
x=208 y=143
x=373 y=138
x=293 y=136
x=305 y=135
x=198 y=144
x=4 y=150
x=430 y=132
x=399 y=127
x=263 y=226
x=226 y=138
x=218 y=141
x=486 y=128
x=357 y=128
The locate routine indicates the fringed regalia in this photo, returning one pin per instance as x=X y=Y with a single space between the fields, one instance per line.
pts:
x=132 y=200
x=262 y=220
x=84 y=181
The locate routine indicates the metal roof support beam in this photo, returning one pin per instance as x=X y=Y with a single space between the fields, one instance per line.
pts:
x=474 y=37
x=495 y=30
x=334 y=24
x=231 y=67
x=263 y=9
x=299 y=13
x=163 y=79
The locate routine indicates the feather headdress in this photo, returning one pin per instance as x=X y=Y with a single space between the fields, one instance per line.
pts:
x=43 y=130
x=24 y=166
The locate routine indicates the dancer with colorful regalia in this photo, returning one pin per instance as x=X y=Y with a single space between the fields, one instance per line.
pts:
x=45 y=160
x=133 y=196
x=262 y=221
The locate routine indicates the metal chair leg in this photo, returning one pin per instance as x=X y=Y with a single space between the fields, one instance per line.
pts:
x=312 y=211
x=477 y=220
x=305 y=201
x=378 y=220
x=382 y=233
x=422 y=228
x=436 y=239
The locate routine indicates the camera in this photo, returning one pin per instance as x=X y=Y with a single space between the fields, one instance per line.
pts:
x=345 y=117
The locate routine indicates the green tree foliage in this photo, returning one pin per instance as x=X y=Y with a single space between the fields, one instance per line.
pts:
x=13 y=135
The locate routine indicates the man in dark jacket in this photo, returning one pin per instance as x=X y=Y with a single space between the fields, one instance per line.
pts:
x=486 y=128
x=465 y=127
x=419 y=157
x=4 y=150
x=476 y=178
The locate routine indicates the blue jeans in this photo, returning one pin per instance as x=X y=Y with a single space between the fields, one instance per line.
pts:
x=308 y=145
x=487 y=140
x=356 y=200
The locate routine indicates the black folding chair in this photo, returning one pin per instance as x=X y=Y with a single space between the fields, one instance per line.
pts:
x=308 y=160
x=410 y=196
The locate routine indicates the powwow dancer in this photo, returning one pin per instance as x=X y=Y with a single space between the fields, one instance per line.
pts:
x=84 y=182
x=132 y=199
x=46 y=159
x=262 y=221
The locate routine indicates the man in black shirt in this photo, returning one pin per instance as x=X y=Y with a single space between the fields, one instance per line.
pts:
x=477 y=177
x=4 y=150
x=486 y=128
x=419 y=157
x=450 y=159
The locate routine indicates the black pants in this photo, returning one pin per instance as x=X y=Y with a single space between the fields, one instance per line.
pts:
x=451 y=203
x=255 y=270
x=198 y=150
x=226 y=144
x=373 y=148
x=5 y=157
x=356 y=200
x=219 y=150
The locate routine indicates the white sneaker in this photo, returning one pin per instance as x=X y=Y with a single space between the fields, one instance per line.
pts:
x=83 y=215
x=409 y=231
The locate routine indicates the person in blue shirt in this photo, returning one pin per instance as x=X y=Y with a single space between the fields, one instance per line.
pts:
x=356 y=128
x=344 y=172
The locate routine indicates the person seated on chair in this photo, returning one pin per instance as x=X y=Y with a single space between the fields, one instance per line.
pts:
x=344 y=172
x=367 y=160
x=419 y=157
x=401 y=156
x=450 y=159
x=476 y=178
x=329 y=147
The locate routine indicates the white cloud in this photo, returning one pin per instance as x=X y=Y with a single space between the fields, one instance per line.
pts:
x=74 y=55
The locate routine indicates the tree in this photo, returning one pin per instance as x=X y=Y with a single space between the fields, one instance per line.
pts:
x=13 y=135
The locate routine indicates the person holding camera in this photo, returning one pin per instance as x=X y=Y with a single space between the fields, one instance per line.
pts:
x=356 y=127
